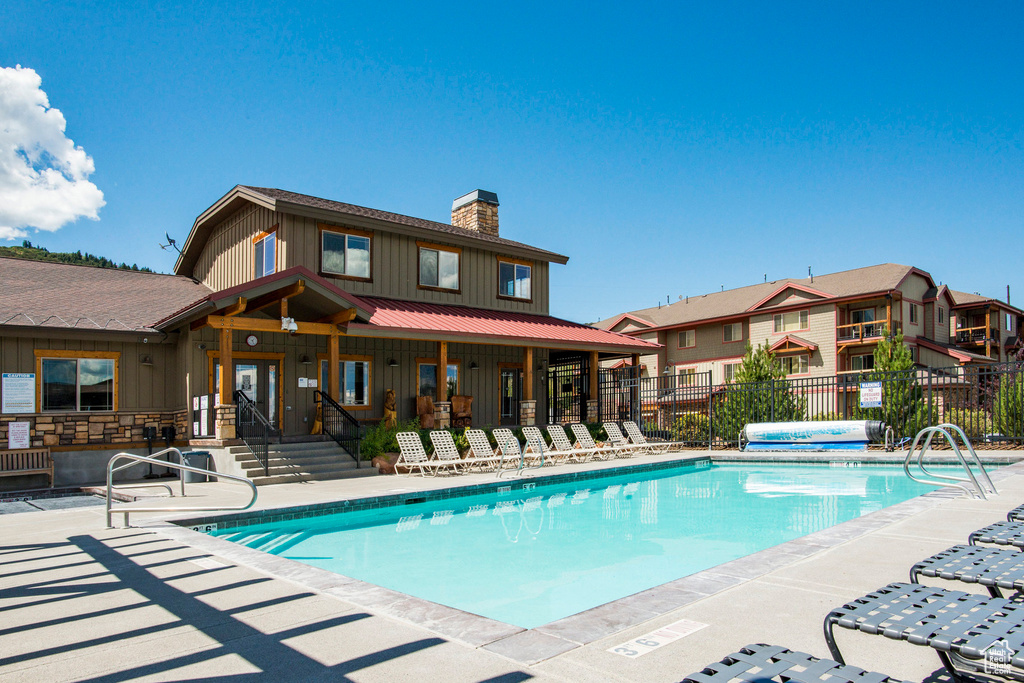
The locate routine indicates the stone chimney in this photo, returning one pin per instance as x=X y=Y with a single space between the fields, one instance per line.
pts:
x=477 y=211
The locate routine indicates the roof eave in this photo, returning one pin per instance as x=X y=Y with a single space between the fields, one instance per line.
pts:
x=226 y=204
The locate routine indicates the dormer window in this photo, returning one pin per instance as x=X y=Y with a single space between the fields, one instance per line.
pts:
x=439 y=267
x=514 y=279
x=345 y=253
x=265 y=245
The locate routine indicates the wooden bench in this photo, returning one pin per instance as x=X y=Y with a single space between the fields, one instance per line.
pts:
x=26 y=461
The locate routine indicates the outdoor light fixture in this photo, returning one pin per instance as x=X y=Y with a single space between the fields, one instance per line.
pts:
x=667 y=370
x=288 y=325
x=392 y=363
x=305 y=359
x=474 y=366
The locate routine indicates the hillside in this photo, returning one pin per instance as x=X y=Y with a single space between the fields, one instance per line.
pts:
x=32 y=253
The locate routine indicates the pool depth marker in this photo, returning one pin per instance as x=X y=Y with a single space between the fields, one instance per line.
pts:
x=652 y=641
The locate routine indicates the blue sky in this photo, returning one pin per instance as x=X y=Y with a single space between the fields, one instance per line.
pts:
x=667 y=149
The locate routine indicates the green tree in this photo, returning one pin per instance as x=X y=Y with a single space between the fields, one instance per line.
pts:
x=1008 y=403
x=760 y=393
x=904 y=407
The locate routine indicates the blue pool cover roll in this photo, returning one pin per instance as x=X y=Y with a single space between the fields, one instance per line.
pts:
x=813 y=436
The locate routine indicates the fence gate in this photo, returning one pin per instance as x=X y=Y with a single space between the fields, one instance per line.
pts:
x=568 y=388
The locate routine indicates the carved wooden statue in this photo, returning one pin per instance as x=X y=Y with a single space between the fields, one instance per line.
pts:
x=390 y=413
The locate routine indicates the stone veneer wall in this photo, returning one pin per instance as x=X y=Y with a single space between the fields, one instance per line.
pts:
x=479 y=216
x=66 y=430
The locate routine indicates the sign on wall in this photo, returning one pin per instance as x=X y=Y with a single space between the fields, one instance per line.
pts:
x=870 y=394
x=18 y=435
x=19 y=392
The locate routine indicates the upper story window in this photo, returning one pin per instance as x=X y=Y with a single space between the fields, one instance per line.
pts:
x=439 y=266
x=794 y=365
x=265 y=244
x=732 y=332
x=514 y=279
x=1009 y=322
x=76 y=381
x=345 y=253
x=942 y=315
x=687 y=339
x=790 y=321
x=913 y=314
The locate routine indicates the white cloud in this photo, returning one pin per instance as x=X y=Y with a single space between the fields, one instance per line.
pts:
x=44 y=177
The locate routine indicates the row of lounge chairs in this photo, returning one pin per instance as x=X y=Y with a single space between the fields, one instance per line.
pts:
x=972 y=633
x=509 y=455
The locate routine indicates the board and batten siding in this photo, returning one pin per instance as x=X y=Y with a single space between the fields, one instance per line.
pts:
x=227 y=258
x=140 y=387
x=394 y=269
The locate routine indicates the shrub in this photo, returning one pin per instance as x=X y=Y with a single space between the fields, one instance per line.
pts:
x=975 y=422
x=826 y=417
x=1008 y=406
x=690 y=427
x=379 y=440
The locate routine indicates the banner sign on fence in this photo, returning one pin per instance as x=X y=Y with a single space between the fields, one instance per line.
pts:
x=870 y=394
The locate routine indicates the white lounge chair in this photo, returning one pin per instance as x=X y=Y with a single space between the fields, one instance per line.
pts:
x=445 y=449
x=585 y=441
x=535 y=445
x=563 y=444
x=413 y=457
x=512 y=456
x=615 y=437
x=482 y=455
x=638 y=438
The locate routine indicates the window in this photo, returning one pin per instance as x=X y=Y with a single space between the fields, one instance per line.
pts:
x=686 y=375
x=426 y=374
x=794 y=365
x=514 y=280
x=1009 y=322
x=862 y=362
x=942 y=315
x=790 y=322
x=353 y=380
x=913 y=314
x=733 y=332
x=72 y=384
x=345 y=254
x=687 y=339
x=266 y=253
x=439 y=267
x=730 y=370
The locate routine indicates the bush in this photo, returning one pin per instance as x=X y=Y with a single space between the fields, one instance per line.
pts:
x=975 y=422
x=1008 y=406
x=379 y=440
x=826 y=417
x=690 y=427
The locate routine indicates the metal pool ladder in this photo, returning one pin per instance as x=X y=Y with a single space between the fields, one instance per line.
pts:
x=969 y=484
x=153 y=459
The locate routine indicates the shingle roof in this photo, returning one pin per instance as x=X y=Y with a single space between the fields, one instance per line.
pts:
x=352 y=209
x=42 y=294
x=738 y=301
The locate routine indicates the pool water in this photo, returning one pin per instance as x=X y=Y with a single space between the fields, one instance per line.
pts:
x=531 y=557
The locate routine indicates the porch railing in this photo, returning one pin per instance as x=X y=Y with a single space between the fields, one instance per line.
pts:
x=867 y=330
x=976 y=335
x=254 y=429
x=339 y=424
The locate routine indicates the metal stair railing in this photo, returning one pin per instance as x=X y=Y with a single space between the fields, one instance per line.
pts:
x=968 y=484
x=254 y=429
x=338 y=423
x=154 y=460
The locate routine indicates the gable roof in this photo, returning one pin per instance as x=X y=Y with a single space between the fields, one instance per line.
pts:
x=962 y=299
x=738 y=302
x=360 y=216
x=60 y=295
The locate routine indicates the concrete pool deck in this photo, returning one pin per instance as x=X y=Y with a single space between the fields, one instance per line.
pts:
x=156 y=602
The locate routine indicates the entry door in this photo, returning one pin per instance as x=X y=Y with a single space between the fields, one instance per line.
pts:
x=511 y=395
x=257 y=379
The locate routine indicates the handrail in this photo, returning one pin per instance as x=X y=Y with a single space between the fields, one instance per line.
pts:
x=253 y=428
x=338 y=423
x=977 y=491
x=139 y=459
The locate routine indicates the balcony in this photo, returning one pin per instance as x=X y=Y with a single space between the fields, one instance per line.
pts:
x=973 y=336
x=866 y=333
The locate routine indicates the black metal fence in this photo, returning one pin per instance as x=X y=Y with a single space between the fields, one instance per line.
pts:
x=987 y=402
x=568 y=389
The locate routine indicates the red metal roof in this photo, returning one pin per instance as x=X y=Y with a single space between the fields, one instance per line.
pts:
x=462 y=321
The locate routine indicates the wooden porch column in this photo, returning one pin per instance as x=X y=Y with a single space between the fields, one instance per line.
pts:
x=226 y=367
x=593 y=375
x=888 y=316
x=333 y=375
x=528 y=373
x=442 y=371
x=988 y=332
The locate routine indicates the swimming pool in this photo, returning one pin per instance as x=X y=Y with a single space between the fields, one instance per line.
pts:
x=529 y=557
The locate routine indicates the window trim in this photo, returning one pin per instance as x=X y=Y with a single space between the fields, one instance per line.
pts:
x=420 y=246
x=942 y=315
x=913 y=317
x=680 y=336
x=862 y=355
x=41 y=354
x=262 y=235
x=775 y=330
x=730 y=364
x=515 y=262
x=734 y=341
x=340 y=230
x=798 y=355
x=689 y=371
x=433 y=361
x=368 y=359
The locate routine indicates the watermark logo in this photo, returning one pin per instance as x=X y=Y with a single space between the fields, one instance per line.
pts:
x=998 y=656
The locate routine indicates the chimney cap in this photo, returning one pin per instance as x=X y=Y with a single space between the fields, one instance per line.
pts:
x=475 y=196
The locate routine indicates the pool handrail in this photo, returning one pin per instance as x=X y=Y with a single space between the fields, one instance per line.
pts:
x=152 y=459
x=936 y=479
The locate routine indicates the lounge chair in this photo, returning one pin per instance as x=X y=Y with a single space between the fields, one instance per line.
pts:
x=537 y=450
x=638 y=438
x=585 y=441
x=560 y=440
x=1000 y=533
x=960 y=626
x=511 y=453
x=993 y=568
x=773 y=663
x=625 y=449
x=482 y=455
x=414 y=457
x=446 y=451
x=1016 y=514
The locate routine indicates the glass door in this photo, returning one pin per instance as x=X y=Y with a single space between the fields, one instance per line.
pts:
x=511 y=394
x=257 y=379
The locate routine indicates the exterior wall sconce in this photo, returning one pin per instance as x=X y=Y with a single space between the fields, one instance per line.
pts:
x=288 y=325
x=145 y=359
x=667 y=370
x=474 y=366
x=305 y=359
x=392 y=363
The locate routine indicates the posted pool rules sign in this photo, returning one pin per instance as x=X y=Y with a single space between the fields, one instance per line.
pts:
x=18 y=391
x=870 y=394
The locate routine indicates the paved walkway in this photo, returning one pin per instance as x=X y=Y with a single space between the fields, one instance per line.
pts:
x=79 y=602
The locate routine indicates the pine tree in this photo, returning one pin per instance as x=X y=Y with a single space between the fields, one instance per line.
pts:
x=760 y=393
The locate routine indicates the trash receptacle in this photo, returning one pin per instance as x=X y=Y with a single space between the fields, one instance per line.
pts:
x=195 y=459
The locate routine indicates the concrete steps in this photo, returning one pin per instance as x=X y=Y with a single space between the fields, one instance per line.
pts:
x=296 y=462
